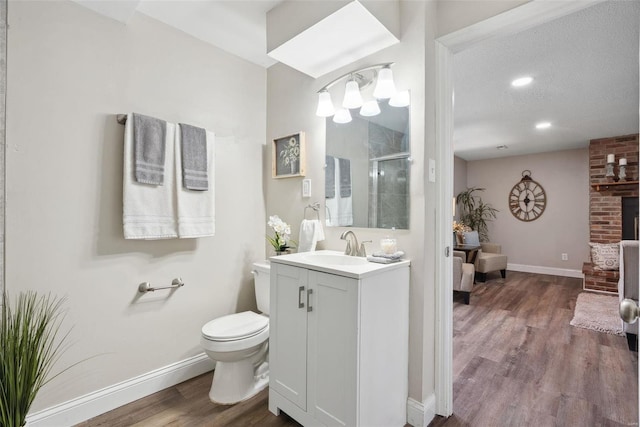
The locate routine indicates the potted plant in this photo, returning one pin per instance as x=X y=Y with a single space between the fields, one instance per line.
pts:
x=281 y=241
x=474 y=212
x=28 y=350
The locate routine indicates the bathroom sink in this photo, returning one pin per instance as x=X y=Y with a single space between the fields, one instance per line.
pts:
x=335 y=259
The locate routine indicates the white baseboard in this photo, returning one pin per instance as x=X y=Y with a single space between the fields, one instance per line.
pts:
x=563 y=272
x=421 y=414
x=98 y=402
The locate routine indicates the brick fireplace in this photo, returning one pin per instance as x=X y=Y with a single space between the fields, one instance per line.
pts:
x=606 y=200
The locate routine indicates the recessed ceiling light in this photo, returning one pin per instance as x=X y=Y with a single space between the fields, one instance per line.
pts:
x=543 y=125
x=522 y=81
x=502 y=147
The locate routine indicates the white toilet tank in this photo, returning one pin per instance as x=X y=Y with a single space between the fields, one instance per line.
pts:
x=261 y=271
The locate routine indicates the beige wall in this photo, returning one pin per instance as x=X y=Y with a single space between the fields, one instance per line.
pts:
x=70 y=71
x=564 y=225
x=459 y=178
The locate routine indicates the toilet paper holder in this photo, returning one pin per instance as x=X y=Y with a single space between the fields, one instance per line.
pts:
x=146 y=286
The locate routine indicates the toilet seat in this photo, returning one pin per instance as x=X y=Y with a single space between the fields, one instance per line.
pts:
x=234 y=327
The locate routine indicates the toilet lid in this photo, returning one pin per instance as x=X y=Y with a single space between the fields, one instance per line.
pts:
x=235 y=326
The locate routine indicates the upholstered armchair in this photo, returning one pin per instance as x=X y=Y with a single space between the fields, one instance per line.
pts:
x=628 y=285
x=463 y=274
x=489 y=259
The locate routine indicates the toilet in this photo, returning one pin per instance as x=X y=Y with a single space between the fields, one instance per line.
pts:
x=238 y=343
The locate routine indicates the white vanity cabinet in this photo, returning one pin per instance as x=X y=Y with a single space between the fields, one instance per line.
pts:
x=338 y=344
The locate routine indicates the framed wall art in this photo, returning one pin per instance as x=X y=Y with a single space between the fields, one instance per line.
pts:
x=288 y=157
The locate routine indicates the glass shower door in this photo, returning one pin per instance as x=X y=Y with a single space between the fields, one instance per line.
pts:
x=389 y=192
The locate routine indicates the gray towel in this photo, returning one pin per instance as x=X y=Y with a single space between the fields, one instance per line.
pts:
x=330 y=178
x=149 y=136
x=194 y=158
x=381 y=260
x=345 y=177
x=395 y=255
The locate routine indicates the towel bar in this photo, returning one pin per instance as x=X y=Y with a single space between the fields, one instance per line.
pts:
x=146 y=286
x=315 y=207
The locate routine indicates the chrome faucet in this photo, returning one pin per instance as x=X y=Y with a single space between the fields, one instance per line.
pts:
x=362 y=251
x=352 y=248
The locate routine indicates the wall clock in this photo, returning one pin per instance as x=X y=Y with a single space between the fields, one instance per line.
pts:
x=527 y=199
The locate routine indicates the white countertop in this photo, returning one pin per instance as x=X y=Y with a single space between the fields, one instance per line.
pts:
x=318 y=261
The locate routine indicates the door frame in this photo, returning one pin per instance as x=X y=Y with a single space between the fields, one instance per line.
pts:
x=521 y=18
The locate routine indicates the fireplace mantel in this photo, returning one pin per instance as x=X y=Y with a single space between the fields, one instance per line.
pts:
x=604 y=186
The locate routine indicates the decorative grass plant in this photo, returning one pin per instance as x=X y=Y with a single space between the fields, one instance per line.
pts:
x=28 y=350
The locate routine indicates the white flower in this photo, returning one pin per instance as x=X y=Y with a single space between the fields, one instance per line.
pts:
x=282 y=232
x=274 y=220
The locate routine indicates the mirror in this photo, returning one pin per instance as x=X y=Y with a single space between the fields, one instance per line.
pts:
x=367 y=170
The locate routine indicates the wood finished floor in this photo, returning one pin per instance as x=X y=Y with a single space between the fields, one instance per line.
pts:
x=188 y=405
x=517 y=362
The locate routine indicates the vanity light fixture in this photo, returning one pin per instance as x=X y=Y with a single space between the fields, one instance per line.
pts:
x=400 y=99
x=356 y=82
x=352 y=96
x=543 y=125
x=385 y=88
x=522 y=81
x=325 y=106
x=342 y=116
x=370 y=108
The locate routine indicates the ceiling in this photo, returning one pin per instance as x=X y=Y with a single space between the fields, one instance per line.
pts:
x=236 y=26
x=584 y=66
x=585 y=83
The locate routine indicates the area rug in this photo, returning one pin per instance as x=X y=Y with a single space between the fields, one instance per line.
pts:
x=597 y=312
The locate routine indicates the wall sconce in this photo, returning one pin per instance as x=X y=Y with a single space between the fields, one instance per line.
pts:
x=356 y=81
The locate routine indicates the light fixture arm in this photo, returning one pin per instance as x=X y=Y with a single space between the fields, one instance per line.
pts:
x=375 y=69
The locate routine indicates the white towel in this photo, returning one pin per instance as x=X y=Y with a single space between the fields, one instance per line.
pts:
x=331 y=212
x=196 y=209
x=343 y=192
x=149 y=211
x=331 y=194
x=339 y=209
x=345 y=211
x=311 y=232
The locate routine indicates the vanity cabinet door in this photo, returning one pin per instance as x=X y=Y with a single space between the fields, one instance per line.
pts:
x=288 y=333
x=332 y=348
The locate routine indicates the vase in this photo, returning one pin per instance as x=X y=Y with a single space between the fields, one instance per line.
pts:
x=459 y=238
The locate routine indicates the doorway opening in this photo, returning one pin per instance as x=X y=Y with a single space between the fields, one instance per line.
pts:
x=514 y=21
